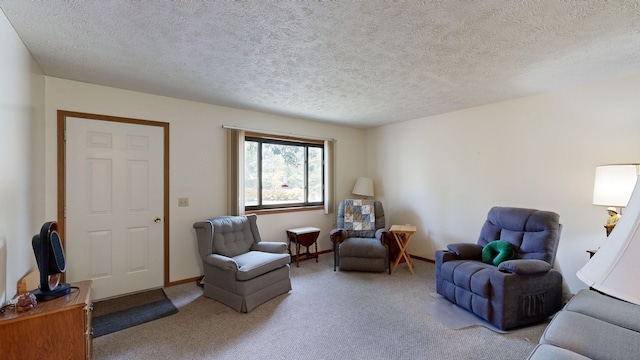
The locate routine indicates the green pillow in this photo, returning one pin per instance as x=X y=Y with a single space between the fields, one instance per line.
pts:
x=497 y=251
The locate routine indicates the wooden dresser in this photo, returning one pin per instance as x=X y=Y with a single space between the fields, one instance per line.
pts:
x=55 y=329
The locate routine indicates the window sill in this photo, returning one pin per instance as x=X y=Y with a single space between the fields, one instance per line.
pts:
x=283 y=210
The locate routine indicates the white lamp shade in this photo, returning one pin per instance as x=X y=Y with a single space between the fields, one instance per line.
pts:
x=614 y=268
x=613 y=184
x=364 y=187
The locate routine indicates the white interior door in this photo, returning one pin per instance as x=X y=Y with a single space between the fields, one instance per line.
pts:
x=114 y=231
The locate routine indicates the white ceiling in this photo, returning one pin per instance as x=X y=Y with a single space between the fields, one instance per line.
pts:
x=357 y=63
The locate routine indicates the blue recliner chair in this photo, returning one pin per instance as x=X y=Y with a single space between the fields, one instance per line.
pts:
x=517 y=292
x=361 y=241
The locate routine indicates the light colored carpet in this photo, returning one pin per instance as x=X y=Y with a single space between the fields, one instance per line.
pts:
x=327 y=315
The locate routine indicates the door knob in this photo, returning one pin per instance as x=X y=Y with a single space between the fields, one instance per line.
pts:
x=157 y=220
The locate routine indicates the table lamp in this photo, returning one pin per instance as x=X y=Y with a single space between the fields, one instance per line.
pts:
x=612 y=188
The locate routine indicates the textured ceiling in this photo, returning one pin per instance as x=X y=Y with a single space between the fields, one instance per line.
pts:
x=357 y=63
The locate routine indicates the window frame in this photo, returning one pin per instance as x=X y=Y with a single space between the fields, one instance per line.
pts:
x=290 y=141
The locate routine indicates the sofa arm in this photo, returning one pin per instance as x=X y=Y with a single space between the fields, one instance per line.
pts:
x=337 y=235
x=466 y=251
x=270 y=247
x=384 y=235
x=442 y=256
x=221 y=262
x=525 y=266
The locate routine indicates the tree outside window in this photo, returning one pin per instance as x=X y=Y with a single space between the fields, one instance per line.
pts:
x=282 y=173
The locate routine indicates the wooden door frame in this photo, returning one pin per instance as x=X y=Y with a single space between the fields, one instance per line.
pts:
x=62 y=169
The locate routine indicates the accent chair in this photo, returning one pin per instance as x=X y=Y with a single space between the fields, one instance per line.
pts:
x=240 y=270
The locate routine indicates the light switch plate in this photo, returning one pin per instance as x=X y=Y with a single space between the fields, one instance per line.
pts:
x=183 y=201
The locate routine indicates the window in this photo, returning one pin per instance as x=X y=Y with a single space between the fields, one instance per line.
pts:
x=282 y=172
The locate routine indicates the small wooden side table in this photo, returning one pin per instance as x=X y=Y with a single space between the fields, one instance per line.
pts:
x=403 y=235
x=305 y=236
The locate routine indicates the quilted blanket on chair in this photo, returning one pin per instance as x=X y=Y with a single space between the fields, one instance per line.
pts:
x=359 y=215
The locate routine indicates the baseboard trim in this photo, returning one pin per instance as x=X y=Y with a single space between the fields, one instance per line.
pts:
x=422 y=258
x=184 y=281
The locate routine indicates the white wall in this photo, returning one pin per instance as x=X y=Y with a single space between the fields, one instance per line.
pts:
x=21 y=155
x=198 y=159
x=444 y=172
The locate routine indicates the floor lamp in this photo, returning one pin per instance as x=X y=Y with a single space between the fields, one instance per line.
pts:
x=364 y=187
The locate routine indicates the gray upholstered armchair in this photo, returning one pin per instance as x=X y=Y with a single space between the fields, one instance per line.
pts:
x=516 y=292
x=240 y=270
x=360 y=241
